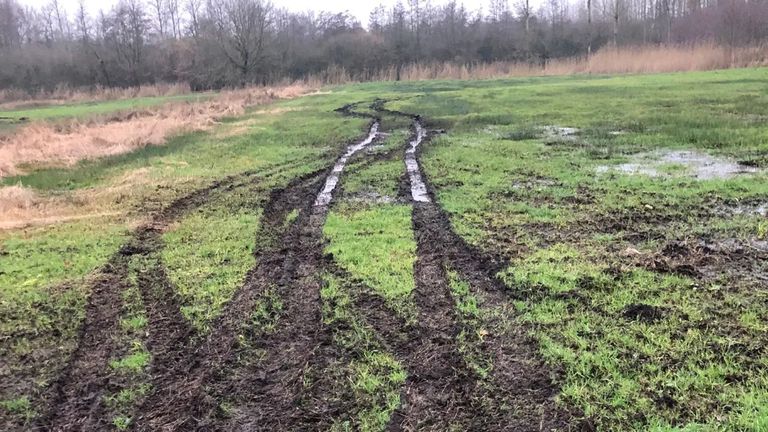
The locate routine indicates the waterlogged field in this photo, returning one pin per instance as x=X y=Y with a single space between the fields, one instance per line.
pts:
x=592 y=253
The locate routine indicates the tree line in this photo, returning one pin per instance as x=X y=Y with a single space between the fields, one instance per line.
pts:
x=221 y=43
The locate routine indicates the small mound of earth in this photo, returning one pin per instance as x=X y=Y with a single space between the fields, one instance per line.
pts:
x=693 y=163
x=643 y=312
x=548 y=133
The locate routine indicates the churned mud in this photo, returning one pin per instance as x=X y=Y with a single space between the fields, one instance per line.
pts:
x=270 y=363
x=442 y=391
x=76 y=397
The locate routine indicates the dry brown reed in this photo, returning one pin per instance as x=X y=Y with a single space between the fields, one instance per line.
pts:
x=46 y=144
x=17 y=98
x=623 y=60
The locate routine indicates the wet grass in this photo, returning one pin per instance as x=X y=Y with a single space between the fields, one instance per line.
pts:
x=207 y=255
x=376 y=245
x=646 y=294
x=44 y=271
x=592 y=259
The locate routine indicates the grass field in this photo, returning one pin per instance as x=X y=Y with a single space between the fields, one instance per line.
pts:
x=593 y=255
x=85 y=109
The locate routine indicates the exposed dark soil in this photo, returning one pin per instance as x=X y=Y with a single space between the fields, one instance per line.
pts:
x=270 y=394
x=520 y=393
x=76 y=402
x=643 y=312
x=284 y=378
x=181 y=400
x=76 y=396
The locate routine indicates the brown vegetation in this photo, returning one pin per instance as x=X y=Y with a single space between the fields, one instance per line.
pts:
x=14 y=98
x=46 y=144
x=639 y=59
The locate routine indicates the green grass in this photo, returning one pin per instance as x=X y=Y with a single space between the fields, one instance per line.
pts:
x=376 y=245
x=629 y=373
x=207 y=256
x=539 y=201
x=585 y=244
x=43 y=290
x=374 y=376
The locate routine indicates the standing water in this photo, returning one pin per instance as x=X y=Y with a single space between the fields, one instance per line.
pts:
x=325 y=196
x=418 y=189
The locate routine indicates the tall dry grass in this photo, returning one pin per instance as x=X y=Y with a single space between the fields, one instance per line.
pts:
x=17 y=98
x=623 y=60
x=61 y=144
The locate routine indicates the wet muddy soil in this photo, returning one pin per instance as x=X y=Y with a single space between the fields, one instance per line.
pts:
x=243 y=377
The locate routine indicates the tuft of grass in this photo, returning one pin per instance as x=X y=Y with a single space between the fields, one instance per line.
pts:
x=136 y=361
x=20 y=407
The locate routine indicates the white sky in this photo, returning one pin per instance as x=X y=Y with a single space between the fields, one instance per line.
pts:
x=358 y=8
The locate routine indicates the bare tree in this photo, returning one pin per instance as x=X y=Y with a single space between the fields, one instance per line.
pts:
x=81 y=22
x=172 y=9
x=10 y=25
x=524 y=10
x=241 y=30
x=160 y=11
x=193 y=10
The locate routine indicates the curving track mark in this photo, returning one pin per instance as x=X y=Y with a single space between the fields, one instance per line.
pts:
x=418 y=188
x=519 y=395
x=77 y=395
x=283 y=390
x=287 y=262
x=326 y=195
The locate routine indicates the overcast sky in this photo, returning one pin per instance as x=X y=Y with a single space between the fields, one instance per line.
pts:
x=358 y=8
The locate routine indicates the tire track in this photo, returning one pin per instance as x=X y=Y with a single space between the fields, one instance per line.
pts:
x=520 y=394
x=76 y=396
x=287 y=389
x=288 y=262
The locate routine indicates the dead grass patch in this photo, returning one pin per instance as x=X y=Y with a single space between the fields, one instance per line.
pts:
x=622 y=60
x=63 y=144
x=23 y=207
x=11 y=99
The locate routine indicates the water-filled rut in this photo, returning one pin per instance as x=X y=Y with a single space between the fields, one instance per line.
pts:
x=326 y=195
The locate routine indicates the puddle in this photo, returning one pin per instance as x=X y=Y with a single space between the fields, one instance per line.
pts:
x=673 y=163
x=325 y=196
x=418 y=189
x=751 y=209
x=560 y=133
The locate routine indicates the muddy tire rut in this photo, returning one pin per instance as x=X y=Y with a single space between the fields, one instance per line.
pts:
x=519 y=394
x=287 y=263
x=283 y=378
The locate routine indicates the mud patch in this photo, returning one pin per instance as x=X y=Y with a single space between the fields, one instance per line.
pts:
x=643 y=312
x=759 y=209
x=326 y=194
x=680 y=163
x=535 y=183
x=418 y=188
x=372 y=197
x=549 y=134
